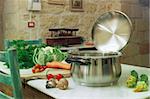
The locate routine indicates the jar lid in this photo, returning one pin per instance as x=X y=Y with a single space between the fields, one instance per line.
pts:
x=111 y=31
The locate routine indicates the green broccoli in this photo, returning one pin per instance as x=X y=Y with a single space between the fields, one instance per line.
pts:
x=142 y=85
x=139 y=84
x=134 y=73
x=144 y=77
x=132 y=79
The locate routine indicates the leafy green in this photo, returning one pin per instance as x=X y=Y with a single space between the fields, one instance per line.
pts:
x=131 y=81
x=144 y=77
x=139 y=84
x=135 y=74
x=43 y=55
x=142 y=84
x=25 y=53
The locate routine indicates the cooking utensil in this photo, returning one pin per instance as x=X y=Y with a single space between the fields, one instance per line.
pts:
x=111 y=31
x=110 y=34
x=92 y=68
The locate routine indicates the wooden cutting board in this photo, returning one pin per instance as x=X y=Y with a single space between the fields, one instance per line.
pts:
x=42 y=75
x=26 y=74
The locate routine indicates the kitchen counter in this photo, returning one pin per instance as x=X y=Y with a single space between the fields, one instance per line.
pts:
x=118 y=91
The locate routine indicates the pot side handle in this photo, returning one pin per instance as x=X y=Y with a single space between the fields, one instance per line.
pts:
x=81 y=61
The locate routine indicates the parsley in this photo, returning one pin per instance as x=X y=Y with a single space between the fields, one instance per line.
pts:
x=25 y=53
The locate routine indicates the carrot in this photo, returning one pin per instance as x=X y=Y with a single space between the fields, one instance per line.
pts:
x=56 y=64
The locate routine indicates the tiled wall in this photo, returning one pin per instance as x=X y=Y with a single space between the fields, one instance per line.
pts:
x=137 y=51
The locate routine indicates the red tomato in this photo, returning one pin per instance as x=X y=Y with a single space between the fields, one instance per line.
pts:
x=49 y=76
x=44 y=67
x=33 y=70
x=59 y=76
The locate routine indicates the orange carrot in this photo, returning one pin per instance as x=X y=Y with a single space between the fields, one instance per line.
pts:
x=56 y=64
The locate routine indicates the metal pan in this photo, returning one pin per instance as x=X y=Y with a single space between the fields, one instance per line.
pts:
x=111 y=31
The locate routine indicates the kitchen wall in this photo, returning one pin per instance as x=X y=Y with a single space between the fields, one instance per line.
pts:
x=1 y=28
x=16 y=17
x=137 y=51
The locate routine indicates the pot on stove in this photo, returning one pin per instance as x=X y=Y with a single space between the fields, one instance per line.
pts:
x=110 y=33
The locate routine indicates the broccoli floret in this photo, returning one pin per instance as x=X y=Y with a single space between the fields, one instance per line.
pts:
x=141 y=86
x=134 y=73
x=144 y=77
x=131 y=81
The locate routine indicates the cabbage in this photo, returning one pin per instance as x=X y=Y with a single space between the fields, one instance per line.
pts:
x=43 y=55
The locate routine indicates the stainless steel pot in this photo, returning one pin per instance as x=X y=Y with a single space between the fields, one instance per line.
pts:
x=92 y=68
x=110 y=34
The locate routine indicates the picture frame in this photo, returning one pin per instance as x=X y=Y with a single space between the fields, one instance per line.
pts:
x=76 y=5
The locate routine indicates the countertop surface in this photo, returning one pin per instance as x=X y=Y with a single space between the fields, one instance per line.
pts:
x=75 y=91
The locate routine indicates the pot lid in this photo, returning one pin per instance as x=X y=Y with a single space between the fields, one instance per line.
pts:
x=111 y=31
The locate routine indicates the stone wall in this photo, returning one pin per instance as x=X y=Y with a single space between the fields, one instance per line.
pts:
x=137 y=51
x=16 y=17
x=1 y=28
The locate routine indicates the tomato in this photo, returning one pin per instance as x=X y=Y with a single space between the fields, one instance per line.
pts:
x=33 y=70
x=59 y=76
x=44 y=67
x=49 y=76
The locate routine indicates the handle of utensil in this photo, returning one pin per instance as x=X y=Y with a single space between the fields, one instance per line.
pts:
x=78 y=60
